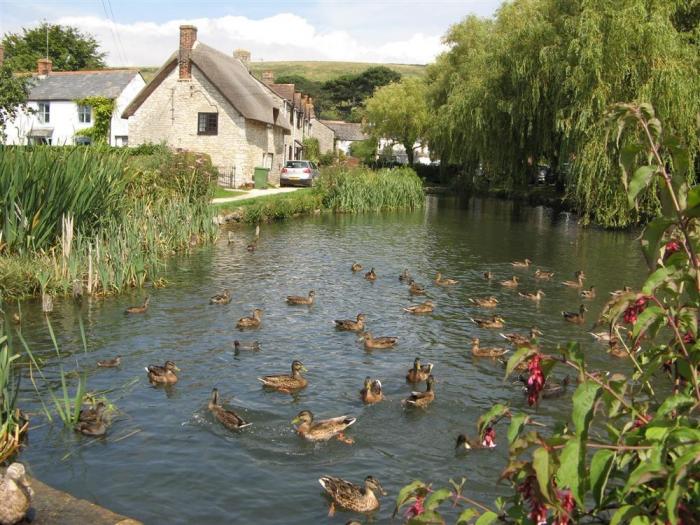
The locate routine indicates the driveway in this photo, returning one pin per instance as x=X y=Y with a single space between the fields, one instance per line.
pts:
x=252 y=194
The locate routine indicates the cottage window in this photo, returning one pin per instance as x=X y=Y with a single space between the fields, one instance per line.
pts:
x=299 y=119
x=84 y=114
x=291 y=115
x=44 y=112
x=207 y=124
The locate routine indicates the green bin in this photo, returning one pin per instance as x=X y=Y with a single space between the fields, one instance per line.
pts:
x=260 y=177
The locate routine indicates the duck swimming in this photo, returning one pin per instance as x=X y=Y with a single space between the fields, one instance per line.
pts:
x=576 y=317
x=139 y=309
x=415 y=289
x=521 y=264
x=422 y=399
x=405 y=276
x=253 y=321
x=578 y=283
x=252 y=345
x=322 y=430
x=110 y=363
x=496 y=321
x=543 y=276
x=286 y=383
x=162 y=374
x=423 y=308
x=511 y=283
x=221 y=298
x=350 y=325
x=227 y=418
x=440 y=281
x=356 y=267
x=533 y=296
x=352 y=497
x=484 y=302
x=371 y=275
x=300 y=299
x=488 y=441
x=478 y=351
x=588 y=294
x=419 y=372
x=372 y=391
x=378 y=342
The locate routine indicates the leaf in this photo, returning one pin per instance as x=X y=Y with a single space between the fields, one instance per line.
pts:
x=435 y=498
x=518 y=357
x=671 y=498
x=640 y=180
x=674 y=402
x=517 y=422
x=429 y=516
x=651 y=238
x=657 y=278
x=583 y=400
x=540 y=462
x=624 y=514
x=646 y=318
x=487 y=518
x=601 y=466
x=628 y=154
x=407 y=492
x=644 y=472
x=572 y=470
x=495 y=412
x=467 y=514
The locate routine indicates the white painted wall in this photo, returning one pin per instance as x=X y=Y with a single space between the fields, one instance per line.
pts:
x=421 y=154
x=120 y=126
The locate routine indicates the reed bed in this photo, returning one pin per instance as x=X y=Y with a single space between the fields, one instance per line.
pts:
x=12 y=425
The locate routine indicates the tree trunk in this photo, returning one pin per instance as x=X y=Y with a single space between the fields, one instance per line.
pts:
x=409 y=153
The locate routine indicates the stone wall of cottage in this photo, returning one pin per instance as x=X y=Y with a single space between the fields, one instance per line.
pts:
x=324 y=134
x=265 y=140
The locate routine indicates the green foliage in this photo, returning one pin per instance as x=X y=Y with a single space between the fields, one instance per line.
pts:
x=399 y=112
x=14 y=91
x=631 y=451
x=365 y=150
x=311 y=148
x=102 y=109
x=322 y=71
x=69 y=49
x=11 y=421
x=345 y=94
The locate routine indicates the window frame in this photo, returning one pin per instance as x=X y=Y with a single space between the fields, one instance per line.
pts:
x=44 y=112
x=206 y=131
x=83 y=111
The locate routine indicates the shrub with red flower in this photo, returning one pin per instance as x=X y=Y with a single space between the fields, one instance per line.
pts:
x=568 y=504
x=416 y=509
x=632 y=312
x=538 y=511
x=671 y=247
x=535 y=382
x=489 y=440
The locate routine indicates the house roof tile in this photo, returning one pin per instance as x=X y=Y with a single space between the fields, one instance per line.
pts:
x=72 y=85
x=346 y=130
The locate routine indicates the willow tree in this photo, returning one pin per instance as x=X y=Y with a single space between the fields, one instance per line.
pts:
x=399 y=112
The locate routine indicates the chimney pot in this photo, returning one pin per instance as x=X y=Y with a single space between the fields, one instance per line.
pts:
x=43 y=66
x=243 y=55
x=188 y=36
x=268 y=77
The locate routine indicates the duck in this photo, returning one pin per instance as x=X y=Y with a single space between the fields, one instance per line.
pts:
x=419 y=372
x=404 y=277
x=618 y=293
x=496 y=321
x=221 y=298
x=602 y=337
x=423 y=308
x=543 y=276
x=372 y=391
x=511 y=283
x=578 y=283
x=533 y=296
x=617 y=349
x=356 y=267
x=588 y=294
x=15 y=493
x=287 y=383
x=231 y=238
x=350 y=325
x=352 y=497
x=521 y=264
x=520 y=339
x=551 y=388
x=227 y=418
x=488 y=275
x=478 y=351
x=484 y=302
x=110 y=363
x=522 y=366
x=488 y=441
x=444 y=282
x=163 y=374
x=252 y=246
x=250 y=322
x=92 y=425
x=93 y=413
x=371 y=275
x=422 y=399
x=252 y=345
x=300 y=299
x=139 y=309
x=16 y=318
x=415 y=289
x=576 y=317
x=324 y=429
x=378 y=342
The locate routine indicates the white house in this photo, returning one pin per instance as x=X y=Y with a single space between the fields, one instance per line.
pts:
x=393 y=151
x=345 y=134
x=57 y=117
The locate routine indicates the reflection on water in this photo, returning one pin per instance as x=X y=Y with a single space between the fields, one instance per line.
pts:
x=165 y=459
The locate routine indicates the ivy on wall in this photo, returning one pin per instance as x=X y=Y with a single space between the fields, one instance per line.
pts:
x=102 y=109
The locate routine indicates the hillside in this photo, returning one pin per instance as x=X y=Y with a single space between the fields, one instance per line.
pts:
x=322 y=71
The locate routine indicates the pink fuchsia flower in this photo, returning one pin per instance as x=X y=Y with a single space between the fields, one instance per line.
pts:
x=671 y=247
x=538 y=511
x=416 y=509
x=688 y=338
x=489 y=440
x=535 y=382
x=568 y=505
x=632 y=312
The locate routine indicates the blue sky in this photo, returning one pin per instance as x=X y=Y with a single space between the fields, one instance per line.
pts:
x=144 y=32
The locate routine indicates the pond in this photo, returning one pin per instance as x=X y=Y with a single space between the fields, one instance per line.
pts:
x=166 y=460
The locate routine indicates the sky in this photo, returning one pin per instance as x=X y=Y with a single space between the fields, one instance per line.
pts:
x=145 y=32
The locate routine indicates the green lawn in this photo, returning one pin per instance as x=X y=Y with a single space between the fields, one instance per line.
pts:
x=220 y=192
x=230 y=206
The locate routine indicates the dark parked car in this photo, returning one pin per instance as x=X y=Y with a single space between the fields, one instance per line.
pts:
x=298 y=173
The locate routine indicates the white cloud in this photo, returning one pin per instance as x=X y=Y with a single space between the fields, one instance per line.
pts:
x=283 y=36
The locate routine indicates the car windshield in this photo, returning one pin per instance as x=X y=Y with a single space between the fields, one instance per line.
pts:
x=297 y=164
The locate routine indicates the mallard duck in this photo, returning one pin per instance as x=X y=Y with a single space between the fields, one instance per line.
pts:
x=488 y=276
x=162 y=374
x=511 y=283
x=139 y=309
x=496 y=321
x=252 y=246
x=372 y=391
x=300 y=299
x=371 y=275
x=350 y=325
x=16 y=494
x=405 y=276
x=488 y=441
x=478 y=351
x=423 y=308
x=618 y=293
x=520 y=339
x=91 y=421
x=552 y=388
x=578 y=283
x=419 y=372
x=601 y=337
x=422 y=399
x=588 y=294
x=415 y=289
x=543 y=276
x=576 y=317
x=92 y=413
x=533 y=296
x=250 y=322
x=444 y=282
x=484 y=302
x=110 y=363
x=227 y=418
x=252 y=345
x=287 y=383
x=356 y=267
x=378 y=342
x=324 y=429
x=221 y=298
x=617 y=349
x=521 y=264
x=522 y=366
x=352 y=497
x=16 y=319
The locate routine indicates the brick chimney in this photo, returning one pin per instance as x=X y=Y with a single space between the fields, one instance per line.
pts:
x=43 y=66
x=188 y=36
x=243 y=55
x=312 y=111
x=268 y=77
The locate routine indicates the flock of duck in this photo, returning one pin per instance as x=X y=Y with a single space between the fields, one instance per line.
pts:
x=362 y=498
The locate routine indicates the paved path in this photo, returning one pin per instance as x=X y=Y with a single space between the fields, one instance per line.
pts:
x=252 y=194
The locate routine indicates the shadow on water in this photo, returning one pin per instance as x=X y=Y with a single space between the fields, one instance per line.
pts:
x=176 y=464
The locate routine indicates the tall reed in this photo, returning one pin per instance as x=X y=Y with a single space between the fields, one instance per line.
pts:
x=12 y=425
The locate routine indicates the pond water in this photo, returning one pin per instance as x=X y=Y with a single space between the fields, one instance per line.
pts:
x=166 y=460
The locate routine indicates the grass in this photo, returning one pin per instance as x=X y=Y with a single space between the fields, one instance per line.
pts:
x=12 y=425
x=221 y=193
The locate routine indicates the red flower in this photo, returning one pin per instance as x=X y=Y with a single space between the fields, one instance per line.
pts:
x=568 y=505
x=489 y=440
x=671 y=247
x=633 y=311
x=535 y=382
x=416 y=509
x=688 y=338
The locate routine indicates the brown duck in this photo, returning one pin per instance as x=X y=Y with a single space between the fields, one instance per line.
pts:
x=415 y=289
x=521 y=264
x=371 y=275
x=372 y=391
x=221 y=298
x=352 y=497
x=422 y=399
x=543 y=276
x=286 y=383
x=488 y=276
x=404 y=277
x=576 y=317
x=227 y=418
x=139 y=309
x=300 y=299
x=253 y=321
x=322 y=430
x=162 y=374
x=423 y=308
x=511 y=283
x=440 y=281
x=588 y=294
x=484 y=302
x=496 y=321
x=378 y=342
x=532 y=296
x=110 y=363
x=419 y=372
x=520 y=339
x=578 y=283
x=351 y=325
x=356 y=267
x=479 y=351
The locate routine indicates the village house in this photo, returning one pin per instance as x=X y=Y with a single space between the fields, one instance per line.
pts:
x=55 y=117
x=345 y=133
x=207 y=101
